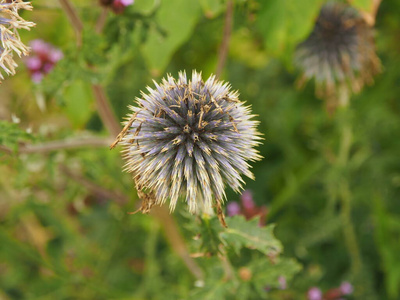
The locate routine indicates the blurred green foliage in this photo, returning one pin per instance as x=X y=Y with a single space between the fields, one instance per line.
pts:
x=64 y=231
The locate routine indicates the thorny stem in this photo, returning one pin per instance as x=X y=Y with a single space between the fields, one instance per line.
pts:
x=223 y=50
x=59 y=145
x=108 y=117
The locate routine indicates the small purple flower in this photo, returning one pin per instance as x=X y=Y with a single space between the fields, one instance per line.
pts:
x=55 y=55
x=33 y=63
x=248 y=208
x=314 y=293
x=233 y=209
x=40 y=47
x=36 y=77
x=346 y=288
x=127 y=2
x=282 y=282
x=247 y=200
x=44 y=58
x=48 y=67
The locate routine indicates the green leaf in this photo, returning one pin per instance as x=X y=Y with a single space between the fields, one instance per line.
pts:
x=78 y=100
x=212 y=8
x=242 y=233
x=364 y=5
x=175 y=21
x=285 y=23
x=267 y=273
x=214 y=290
x=145 y=6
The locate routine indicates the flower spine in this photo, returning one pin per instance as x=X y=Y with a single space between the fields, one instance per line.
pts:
x=10 y=22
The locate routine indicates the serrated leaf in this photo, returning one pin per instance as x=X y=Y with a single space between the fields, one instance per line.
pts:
x=242 y=233
x=11 y=134
x=175 y=20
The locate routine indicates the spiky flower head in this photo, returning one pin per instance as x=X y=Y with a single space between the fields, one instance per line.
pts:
x=188 y=138
x=339 y=53
x=10 y=22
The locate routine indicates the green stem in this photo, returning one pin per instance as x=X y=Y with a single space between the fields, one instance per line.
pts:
x=344 y=193
x=348 y=227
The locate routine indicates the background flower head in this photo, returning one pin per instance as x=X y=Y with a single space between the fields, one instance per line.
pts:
x=189 y=138
x=10 y=42
x=339 y=53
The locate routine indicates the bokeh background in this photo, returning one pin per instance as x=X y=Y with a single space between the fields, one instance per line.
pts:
x=329 y=181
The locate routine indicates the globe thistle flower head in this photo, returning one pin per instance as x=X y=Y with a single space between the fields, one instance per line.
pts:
x=188 y=138
x=10 y=42
x=339 y=53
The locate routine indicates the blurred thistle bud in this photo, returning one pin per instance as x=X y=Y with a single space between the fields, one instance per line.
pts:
x=118 y=6
x=339 y=53
x=43 y=59
x=10 y=22
x=188 y=138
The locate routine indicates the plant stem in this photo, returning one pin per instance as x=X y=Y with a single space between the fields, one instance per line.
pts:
x=176 y=240
x=60 y=145
x=74 y=19
x=348 y=227
x=101 y=21
x=223 y=50
x=105 y=111
x=344 y=192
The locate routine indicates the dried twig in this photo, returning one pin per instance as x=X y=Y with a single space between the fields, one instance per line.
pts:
x=223 y=50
